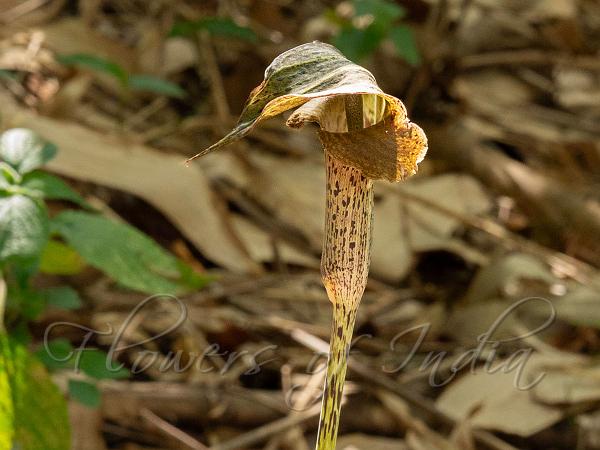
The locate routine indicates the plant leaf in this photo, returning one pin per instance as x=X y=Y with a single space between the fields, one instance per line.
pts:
x=96 y=364
x=95 y=63
x=64 y=297
x=381 y=10
x=217 y=26
x=33 y=413
x=57 y=354
x=156 y=85
x=60 y=354
x=7 y=75
x=31 y=303
x=60 y=259
x=8 y=176
x=317 y=73
x=404 y=40
x=126 y=255
x=51 y=187
x=484 y=397
x=358 y=43
x=23 y=228
x=85 y=393
x=24 y=150
x=5 y=182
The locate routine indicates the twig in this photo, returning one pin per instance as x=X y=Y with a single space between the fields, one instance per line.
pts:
x=304 y=399
x=528 y=57
x=262 y=433
x=172 y=431
x=143 y=114
x=21 y=9
x=216 y=82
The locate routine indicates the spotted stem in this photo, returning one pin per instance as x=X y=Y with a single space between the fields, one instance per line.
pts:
x=344 y=268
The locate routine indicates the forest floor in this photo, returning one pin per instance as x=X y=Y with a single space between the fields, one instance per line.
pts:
x=496 y=236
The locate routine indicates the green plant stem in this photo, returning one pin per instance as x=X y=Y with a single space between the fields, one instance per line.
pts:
x=342 y=328
x=3 y=290
x=344 y=269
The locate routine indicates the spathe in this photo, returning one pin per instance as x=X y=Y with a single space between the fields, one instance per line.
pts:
x=314 y=77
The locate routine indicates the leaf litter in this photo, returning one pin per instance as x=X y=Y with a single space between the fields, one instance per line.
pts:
x=448 y=247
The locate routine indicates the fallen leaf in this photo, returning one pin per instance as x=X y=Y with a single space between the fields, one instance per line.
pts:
x=358 y=441
x=493 y=401
x=503 y=273
x=569 y=385
x=260 y=245
x=580 y=306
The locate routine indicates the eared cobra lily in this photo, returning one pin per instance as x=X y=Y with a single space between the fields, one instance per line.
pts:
x=366 y=136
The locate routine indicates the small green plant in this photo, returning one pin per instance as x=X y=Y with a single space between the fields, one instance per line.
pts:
x=92 y=364
x=216 y=26
x=367 y=23
x=31 y=242
x=133 y=82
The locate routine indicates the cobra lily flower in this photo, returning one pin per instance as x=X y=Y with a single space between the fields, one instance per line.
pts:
x=366 y=136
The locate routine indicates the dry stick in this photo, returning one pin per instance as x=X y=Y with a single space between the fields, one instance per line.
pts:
x=528 y=57
x=172 y=431
x=261 y=433
x=344 y=269
x=304 y=399
x=216 y=82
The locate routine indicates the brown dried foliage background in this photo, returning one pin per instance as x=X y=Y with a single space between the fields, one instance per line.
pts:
x=505 y=207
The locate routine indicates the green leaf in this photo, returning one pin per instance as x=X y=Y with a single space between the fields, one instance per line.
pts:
x=60 y=354
x=85 y=393
x=156 y=85
x=217 y=26
x=5 y=181
x=7 y=75
x=125 y=254
x=51 y=187
x=23 y=228
x=24 y=150
x=22 y=300
x=95 y=63
x=20 y=334
x=31 y=303
x=381 y=10
x=356 y=44
x=8 y=176
x=96 y=364
x=57 y=354
x=404 y=40
x=33 y=413
x=64 y=297
x=60 y=259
